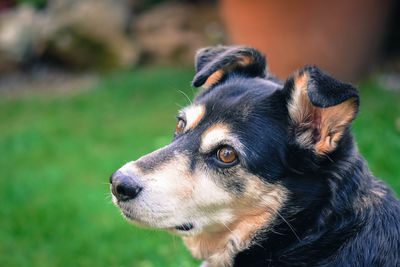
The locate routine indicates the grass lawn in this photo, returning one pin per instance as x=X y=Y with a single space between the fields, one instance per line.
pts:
x=57 y=152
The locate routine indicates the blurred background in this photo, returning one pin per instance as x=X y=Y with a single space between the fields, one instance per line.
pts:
x=87 y=85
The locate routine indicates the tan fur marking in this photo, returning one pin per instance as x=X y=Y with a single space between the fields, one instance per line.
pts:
x=218 y=247
x=330 y=122
x=213 y=135
x=300 y=110
x=245 y=60
x=300 y=107
x=252 y=213
x=333 y=122
x=213 y=78
x=194 y=114
x=216 y=127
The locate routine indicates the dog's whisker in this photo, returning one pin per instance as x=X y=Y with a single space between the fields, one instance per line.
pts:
x=108 y=198
x=275 y=232
x=190 y=101
x=288 y=224
x=331 y=160
x=180 y=106
x=226 y=226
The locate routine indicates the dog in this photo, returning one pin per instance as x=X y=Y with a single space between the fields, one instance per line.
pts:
x=262 y=172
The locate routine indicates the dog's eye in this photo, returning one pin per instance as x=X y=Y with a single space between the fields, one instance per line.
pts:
x=226 y=154
x=180 y=126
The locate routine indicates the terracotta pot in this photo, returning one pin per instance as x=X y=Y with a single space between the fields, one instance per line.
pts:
x=343 y=37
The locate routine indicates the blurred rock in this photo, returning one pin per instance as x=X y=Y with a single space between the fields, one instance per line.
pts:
x=90 y=34
x=19 y=32
x=105 y=34
x=172 y=32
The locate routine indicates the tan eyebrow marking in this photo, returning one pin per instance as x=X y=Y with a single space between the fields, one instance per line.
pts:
x=214 y=135
x=194 y=114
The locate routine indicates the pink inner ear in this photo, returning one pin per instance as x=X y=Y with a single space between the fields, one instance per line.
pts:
x=318 y=128
x=334 y=121
x=316 y=125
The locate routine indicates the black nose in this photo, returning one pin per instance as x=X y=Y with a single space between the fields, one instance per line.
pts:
x=125 y=187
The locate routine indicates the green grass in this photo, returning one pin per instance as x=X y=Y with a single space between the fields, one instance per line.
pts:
x=376 y=133
x=57 y=152
x=56 y=155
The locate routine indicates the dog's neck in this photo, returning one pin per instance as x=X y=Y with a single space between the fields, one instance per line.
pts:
x=305 y=238
x=220 y=245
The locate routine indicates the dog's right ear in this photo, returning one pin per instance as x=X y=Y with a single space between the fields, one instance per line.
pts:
x=214 y=64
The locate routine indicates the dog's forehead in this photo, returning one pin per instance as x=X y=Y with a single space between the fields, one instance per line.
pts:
x=235 y=98
x=229 y=113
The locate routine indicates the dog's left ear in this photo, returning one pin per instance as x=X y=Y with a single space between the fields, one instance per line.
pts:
x=214 y=63
x=320 y=109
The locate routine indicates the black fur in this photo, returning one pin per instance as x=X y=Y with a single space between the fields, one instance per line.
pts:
x=338 y=214
x=211 y=59
x=325 y=91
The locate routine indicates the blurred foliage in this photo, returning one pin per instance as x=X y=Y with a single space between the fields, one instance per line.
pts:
x=57 y=152
x=143 y=5
x=35 y=3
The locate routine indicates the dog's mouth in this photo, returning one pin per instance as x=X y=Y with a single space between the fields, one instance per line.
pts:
x=184 y=227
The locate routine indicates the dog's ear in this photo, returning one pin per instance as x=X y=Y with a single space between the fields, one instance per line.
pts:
x=213 y=64
x=320 y=109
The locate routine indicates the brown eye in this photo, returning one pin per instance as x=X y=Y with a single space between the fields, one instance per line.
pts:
x=226 y=154
x=180 y=126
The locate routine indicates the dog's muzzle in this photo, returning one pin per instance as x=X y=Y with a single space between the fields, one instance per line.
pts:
x=125 y=187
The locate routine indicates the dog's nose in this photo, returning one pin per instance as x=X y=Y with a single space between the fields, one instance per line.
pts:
x=125 y=187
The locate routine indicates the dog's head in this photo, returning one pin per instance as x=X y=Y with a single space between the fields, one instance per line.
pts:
x=235 y=146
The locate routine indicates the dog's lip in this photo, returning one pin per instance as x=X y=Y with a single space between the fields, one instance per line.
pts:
x=129 y=216
x=184 y=227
